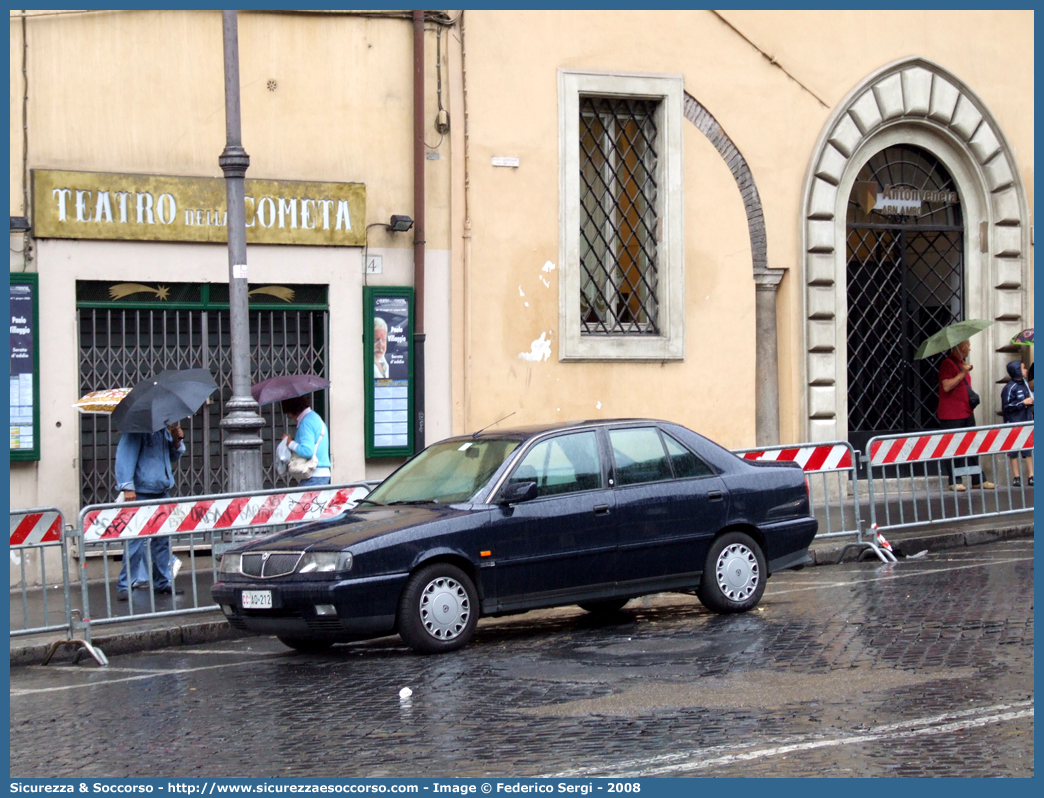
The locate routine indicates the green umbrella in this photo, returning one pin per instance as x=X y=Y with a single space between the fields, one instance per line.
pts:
x=948 y=337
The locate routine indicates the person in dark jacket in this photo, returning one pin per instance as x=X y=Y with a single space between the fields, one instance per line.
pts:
x=1017 y=407
x=144 y=463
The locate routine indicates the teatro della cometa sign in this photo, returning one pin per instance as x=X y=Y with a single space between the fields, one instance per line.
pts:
x=94 y=205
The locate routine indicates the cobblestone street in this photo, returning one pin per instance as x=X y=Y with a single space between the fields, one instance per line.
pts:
x=923 y=668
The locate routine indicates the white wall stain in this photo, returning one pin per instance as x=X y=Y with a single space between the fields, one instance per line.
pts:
x=548 y=267
x=539 y=350
x=598 y=405
x=526 y=304
x=16 y=558
x=545 y=282
x=521 y=292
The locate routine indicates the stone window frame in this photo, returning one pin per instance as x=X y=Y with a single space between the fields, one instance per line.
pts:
x=669 y=91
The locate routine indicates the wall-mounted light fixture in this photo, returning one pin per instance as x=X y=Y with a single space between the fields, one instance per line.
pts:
x=400 y=224
x=20 y=224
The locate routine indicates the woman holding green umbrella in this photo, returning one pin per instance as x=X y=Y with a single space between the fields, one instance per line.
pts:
x=956 y=408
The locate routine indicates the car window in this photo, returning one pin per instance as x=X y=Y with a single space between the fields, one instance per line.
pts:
x=685 y=463
x=564 y=464
x=639 y=456
x=448 y=471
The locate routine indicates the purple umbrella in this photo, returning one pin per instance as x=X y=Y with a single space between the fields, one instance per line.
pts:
x=286 y=386
x=1024 y=337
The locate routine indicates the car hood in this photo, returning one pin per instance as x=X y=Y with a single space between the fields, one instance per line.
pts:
x=356 y=526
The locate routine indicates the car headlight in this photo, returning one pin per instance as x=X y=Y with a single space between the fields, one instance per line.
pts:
x=229 y=563
x=324 y=562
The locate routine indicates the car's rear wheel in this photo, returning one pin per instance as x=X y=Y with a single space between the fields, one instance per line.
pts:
x=733 y=575
x=306 y=645
x=438 y=609
x=606 y=607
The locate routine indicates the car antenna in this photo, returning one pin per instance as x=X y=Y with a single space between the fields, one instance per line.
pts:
x=509 y=415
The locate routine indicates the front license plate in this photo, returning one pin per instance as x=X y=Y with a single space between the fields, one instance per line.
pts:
x=257 y=599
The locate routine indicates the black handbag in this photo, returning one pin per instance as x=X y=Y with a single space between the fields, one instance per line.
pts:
x=973 y=398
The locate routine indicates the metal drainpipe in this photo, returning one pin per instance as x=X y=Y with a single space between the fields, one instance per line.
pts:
x=418 y=229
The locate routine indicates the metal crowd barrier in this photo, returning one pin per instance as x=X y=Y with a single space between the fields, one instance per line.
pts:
x=182 y=520
x=908 y=475
x=904 y=482
x=35 y=531
x=833 y=489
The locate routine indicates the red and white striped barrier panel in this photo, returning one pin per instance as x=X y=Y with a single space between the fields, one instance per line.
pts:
x=205 y=515
x=31 y=528
x=944 y=445
x=829 y=457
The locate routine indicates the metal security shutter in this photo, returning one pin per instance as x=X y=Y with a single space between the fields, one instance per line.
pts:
x=127 y=337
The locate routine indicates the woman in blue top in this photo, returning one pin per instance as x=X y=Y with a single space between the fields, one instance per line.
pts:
x=311 y=438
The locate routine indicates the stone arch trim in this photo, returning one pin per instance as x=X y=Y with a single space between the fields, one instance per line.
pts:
x=766 y=280
x=708 y=125
x=917 y=102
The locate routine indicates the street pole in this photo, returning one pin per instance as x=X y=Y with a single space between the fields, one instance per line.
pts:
x=242 y=424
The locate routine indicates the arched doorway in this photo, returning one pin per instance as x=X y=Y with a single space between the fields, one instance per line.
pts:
x=917 y=110
x=905 y=280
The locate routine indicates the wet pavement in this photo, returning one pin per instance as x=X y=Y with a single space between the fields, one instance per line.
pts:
x=922 y=668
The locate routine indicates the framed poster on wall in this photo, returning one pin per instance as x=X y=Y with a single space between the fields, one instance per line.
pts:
x=388 y=368
x=25 y=368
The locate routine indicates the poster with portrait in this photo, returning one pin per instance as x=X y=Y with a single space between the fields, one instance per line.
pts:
x=389 y=394
x=25 y=369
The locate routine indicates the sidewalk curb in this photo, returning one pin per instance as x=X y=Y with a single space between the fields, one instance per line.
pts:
x=132 y=641
x=828 y=553
x=215 y=628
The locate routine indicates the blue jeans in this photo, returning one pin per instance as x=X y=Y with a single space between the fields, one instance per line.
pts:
x=136 y=560
x=314 y=481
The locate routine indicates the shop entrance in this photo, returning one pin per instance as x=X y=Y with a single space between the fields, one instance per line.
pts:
x=130 y=331
x=905 y=280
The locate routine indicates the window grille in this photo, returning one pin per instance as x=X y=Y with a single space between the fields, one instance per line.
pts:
x=618 y=216
x=123 y=343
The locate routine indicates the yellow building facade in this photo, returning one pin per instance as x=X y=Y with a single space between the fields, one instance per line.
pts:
x=740 y=221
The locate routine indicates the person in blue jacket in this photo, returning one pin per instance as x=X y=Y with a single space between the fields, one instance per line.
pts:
x=144 y=463
x=1017 y=406
x=312 y=438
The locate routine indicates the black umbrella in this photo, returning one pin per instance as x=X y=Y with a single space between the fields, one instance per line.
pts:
x=286 y=386
x=163 y=399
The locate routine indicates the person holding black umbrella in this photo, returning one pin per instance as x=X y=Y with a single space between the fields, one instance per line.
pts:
x=144 y=470
x=152 y=442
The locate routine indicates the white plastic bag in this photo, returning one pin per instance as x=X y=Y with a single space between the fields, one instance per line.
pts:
x=282 y=457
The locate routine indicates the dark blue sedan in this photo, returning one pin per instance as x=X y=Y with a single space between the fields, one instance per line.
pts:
x=591 y=513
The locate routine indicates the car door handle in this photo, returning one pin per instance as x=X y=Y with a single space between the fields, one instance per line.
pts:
x=715 y=495
x=601 y=509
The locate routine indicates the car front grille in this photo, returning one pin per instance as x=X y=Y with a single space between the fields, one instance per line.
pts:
x=266 y=564
x=324 y=624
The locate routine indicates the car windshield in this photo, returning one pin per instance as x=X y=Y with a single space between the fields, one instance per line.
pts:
x=451 y=471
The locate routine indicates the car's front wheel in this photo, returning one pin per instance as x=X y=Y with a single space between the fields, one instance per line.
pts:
x=607 y=607
x=733 y=575
x=306 y=645
x=438 y=609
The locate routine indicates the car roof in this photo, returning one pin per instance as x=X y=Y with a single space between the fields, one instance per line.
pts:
x=532 y=430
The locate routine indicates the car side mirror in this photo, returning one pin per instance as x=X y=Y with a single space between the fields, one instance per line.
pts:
x=518 y=492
